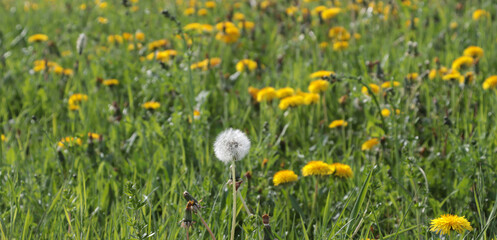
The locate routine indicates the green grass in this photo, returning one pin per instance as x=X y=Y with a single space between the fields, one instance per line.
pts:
x=436 y=157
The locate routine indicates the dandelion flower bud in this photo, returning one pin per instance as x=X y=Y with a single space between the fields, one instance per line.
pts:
x=81 y=43
x=187 y=221
x=231 y=145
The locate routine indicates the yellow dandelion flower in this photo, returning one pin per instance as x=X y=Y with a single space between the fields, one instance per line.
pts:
x=103 y=5
x=389 y=84
x=164 y=56
x=206 y=64
x=196 y=114
x=49 y=64
x=443 y=70
x=206 y=28
x=480 y=13
x=453 y=76
x=448 y=222
x=238 y=16
x=323 y=45
x=340 y=45
x=462 y=62
x=115 y=39
x=490 y=82
x=285 y=92
x=111 y=82
x=68 y=72
x=330 y=13
x=292 y=101
x=128 y=36
x=246 y=25
x=151 y=105
x=433 y=74
x=38 y=38
x=77 y=98
x=202 y=12
x=246 y=64
x=284 y=176
x=338 y=33
x=223 y=25
x=189 y=11
x=82 y=7
x=453 y=25
x=310 y=98
x=305 y=12
x=253 y=92
x=94 y=136
x=265 y=4
x=318 y=86
x=102 y=20
x=369 y=144
x=321 y=74
x=58 y=70
x=318 y=10
x=291 y=10
x=140 y=36
x=412 y=76
x=345 y=37
x=69 y=142
x=409 y=22
x=385 y=112
x=319 y=168
x=210 y=4
x=338 y=123
x=192 y=26
x=266 y=94
x=474 y=52
x=374 y=88
x=157 y=44
x=3 y=138
x=228 y=35
x=73 y=107
x=342 y=170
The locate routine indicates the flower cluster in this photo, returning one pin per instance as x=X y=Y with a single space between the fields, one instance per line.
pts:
x=68 y=142
x=313 y=168
x=43 y=65
x=75 y=101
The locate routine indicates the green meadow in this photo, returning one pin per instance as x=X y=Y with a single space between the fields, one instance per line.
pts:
x=351 y=119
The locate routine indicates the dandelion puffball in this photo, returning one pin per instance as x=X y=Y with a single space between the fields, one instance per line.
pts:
x=231 y=145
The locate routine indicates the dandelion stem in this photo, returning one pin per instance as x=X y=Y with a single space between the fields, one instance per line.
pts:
x=316 y=188
x=206 y=226
x=233 y=183
x=244 y=204
x=324 y=109
x=187 y=234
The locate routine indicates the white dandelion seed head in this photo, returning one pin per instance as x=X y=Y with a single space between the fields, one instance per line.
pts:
x=231 y=145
